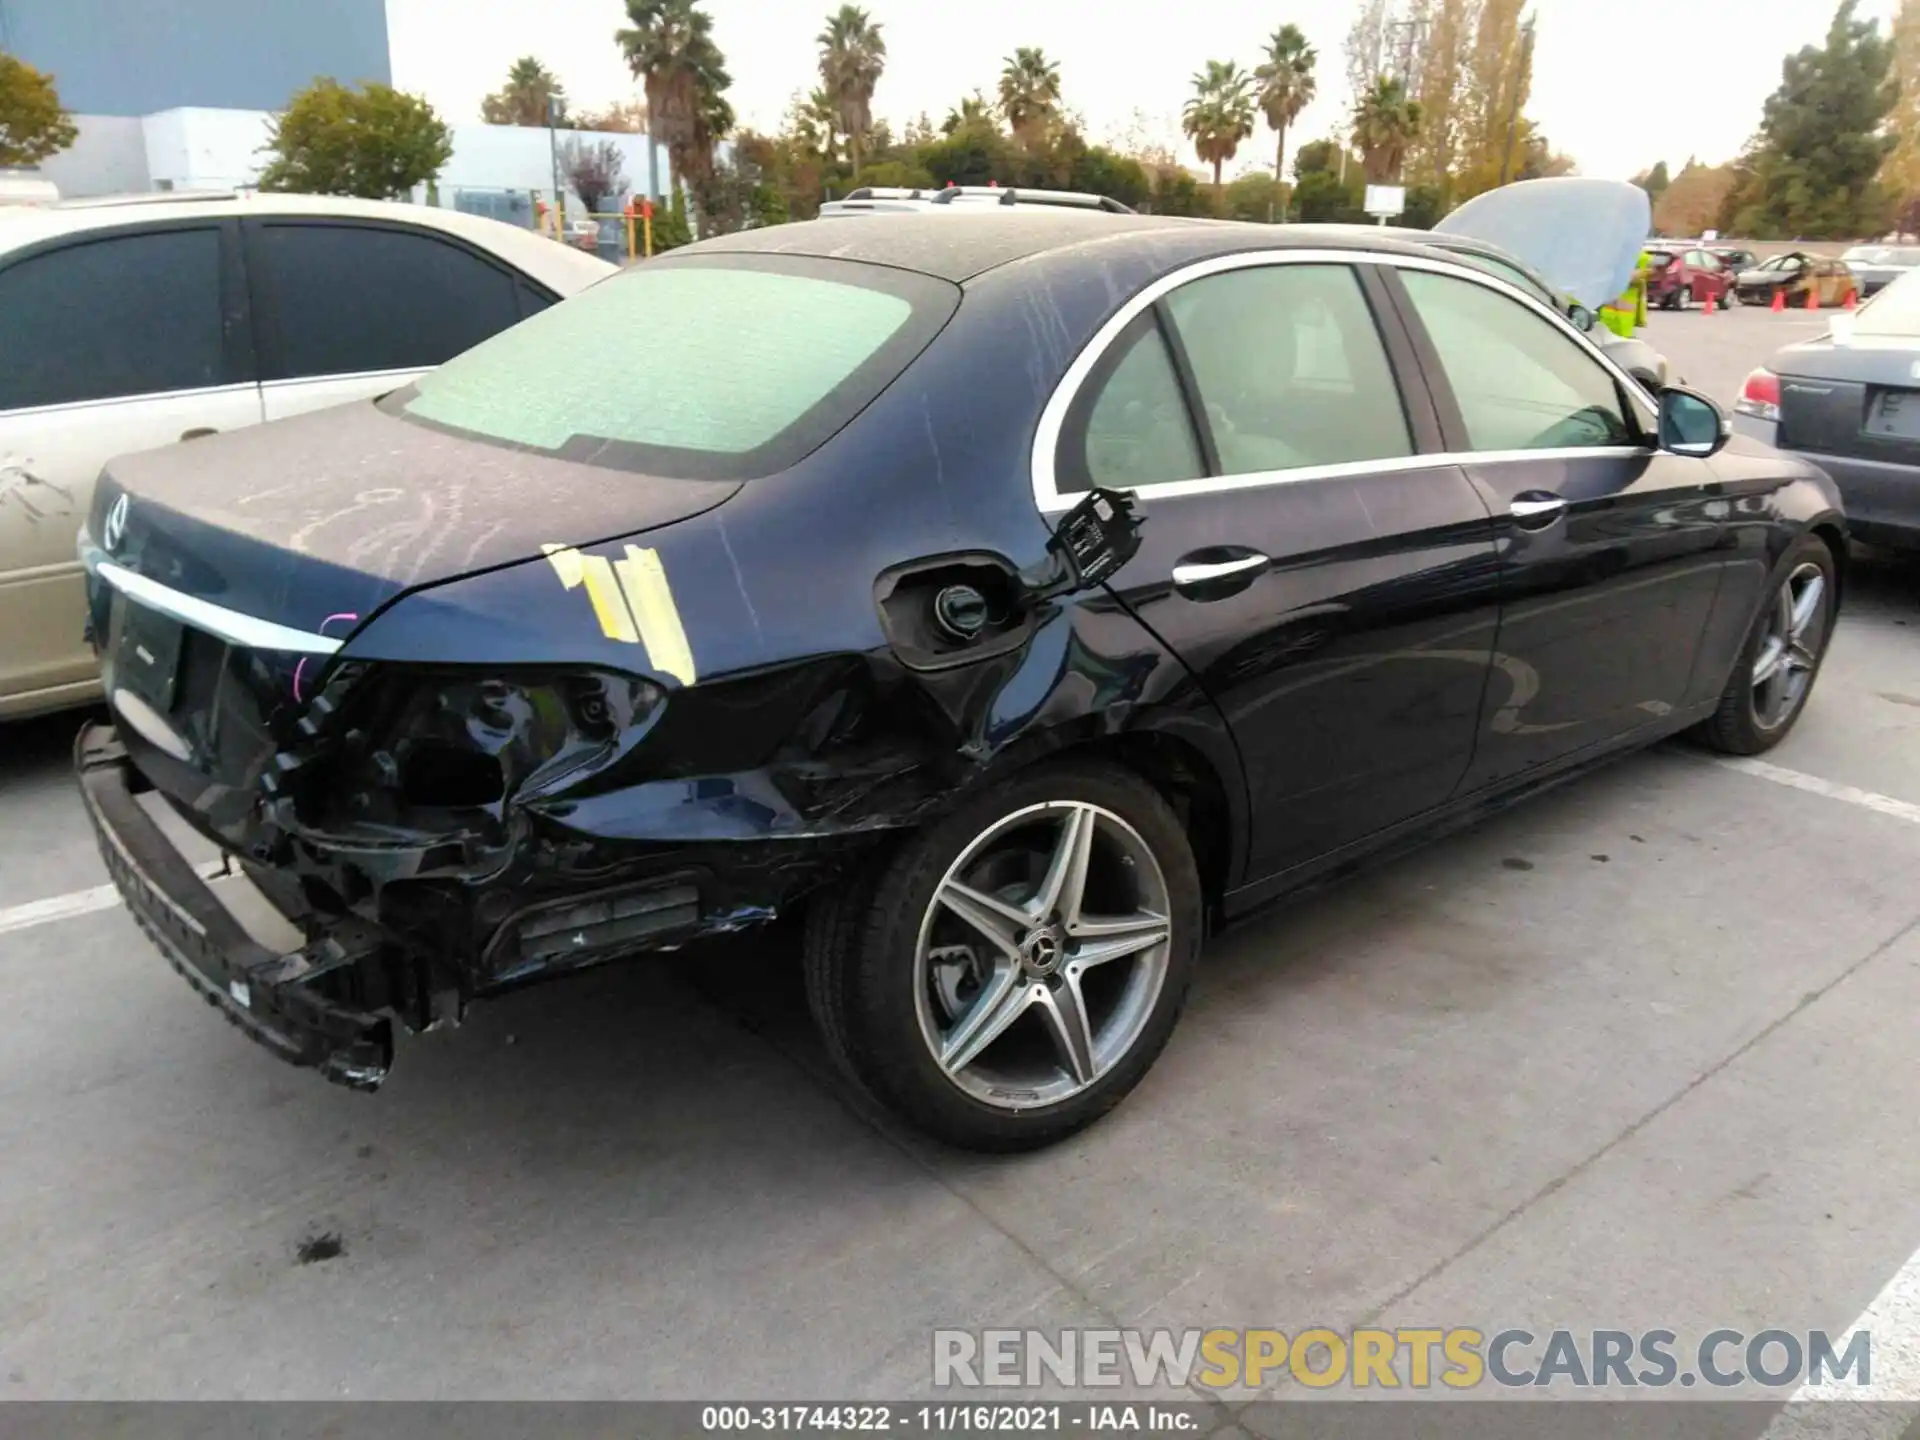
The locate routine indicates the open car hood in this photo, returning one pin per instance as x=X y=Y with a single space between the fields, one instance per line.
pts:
x=1582 y=236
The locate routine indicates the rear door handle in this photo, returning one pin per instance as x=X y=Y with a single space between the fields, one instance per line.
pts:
x=1536 y=509
x=198 y=432
x=1216 y=579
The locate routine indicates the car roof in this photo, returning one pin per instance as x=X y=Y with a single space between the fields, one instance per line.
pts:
x=562 y=268
x=960 y=245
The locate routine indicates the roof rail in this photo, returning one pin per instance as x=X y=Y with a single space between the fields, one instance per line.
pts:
x=1015 y=195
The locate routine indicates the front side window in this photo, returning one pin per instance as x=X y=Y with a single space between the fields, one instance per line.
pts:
x=1512 y=274
x=703 y=367
x=336 y=299
x=106 y=319
x=1520 y=383
x=1290 y=368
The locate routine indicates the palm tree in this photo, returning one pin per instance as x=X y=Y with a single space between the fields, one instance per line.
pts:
x=1220 y=114
x=1286 y=84
x=1384 y=123
x=670 y=50
x=1029 y=92
x=523 y=99
x=973 y=110
x=852 y=55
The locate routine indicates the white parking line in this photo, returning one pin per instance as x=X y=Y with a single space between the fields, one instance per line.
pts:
x=1813 y=784
x=78 y=902
x=1883 y=1408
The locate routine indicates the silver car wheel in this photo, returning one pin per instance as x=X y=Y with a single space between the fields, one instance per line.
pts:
x=1042 y=954
x=1795 y=629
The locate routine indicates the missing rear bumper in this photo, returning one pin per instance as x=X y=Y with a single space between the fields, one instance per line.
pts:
x=272 y=997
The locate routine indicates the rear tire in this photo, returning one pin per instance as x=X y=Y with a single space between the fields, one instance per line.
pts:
x=948 y=981
x=1774 y=676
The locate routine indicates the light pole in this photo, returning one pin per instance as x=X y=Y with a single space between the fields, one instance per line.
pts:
x=553 y=154
x=1521 y=72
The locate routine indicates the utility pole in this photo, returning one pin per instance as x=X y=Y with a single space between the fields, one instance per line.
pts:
x=1521 y=71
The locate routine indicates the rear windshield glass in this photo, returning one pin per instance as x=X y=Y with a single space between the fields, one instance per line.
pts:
x=698 y=367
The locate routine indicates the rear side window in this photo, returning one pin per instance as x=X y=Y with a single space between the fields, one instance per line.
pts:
x=106 y=319
x=345 y=299
x=721 y=367
x=1138 y=430
x=1290 y=368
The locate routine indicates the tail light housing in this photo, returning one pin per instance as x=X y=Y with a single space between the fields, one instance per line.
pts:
x=1760 y=396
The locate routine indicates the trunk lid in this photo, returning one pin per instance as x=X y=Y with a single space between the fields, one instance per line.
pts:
x=1861 y=398
x=337 y=513
x=1583 y=235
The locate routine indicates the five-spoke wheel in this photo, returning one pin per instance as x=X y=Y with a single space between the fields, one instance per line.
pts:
x=1769 y=686
x=1012 y=971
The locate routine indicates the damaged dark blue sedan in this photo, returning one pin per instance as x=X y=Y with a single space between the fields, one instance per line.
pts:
x=1019 y=597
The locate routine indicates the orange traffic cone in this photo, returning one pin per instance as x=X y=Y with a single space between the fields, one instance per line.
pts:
x=1709 y=309
x=1813 y=299
x=1779 y=300
x=1853 y=300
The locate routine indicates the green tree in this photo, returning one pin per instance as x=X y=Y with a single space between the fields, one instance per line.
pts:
x=852 y=56
x=1285 y=77
x=523 y=99
x=974 y=154
x=1823 y=138
x=1316 y=155
x=1029 y=93
x=1654 y=181
x=32 y=124
x=974 y=109
x=1220 y=114
x=1322 y=199
x=669 y=48
x=372 y=141
x=1101 y=171
x=1384 y=124
x=1254 y=196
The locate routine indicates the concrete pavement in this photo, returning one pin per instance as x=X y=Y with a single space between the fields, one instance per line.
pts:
x=1637 y=1054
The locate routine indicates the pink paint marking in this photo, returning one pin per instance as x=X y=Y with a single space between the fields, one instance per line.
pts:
x=300 y=669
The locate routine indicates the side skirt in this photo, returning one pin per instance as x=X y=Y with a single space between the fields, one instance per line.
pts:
x=1457 y=814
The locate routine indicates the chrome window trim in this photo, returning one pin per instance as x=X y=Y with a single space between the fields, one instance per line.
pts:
x=1046 y=439
x=229 y=625
x=145 y=397
x=401 y=373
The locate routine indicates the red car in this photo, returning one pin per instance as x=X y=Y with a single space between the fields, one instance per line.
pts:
x=1682 y=278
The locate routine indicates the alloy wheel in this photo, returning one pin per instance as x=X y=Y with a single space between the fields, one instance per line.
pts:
x=1795 y=629
x=1042 y=954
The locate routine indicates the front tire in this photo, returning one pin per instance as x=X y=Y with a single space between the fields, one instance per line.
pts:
x=1012 y=971
x=1774 y=675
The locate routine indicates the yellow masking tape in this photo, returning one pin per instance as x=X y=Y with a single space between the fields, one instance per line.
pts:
x=596 y=573
x=645 y=581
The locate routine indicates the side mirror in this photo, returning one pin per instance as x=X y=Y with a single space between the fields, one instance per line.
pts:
x=1691 y=424
x=1581 y=317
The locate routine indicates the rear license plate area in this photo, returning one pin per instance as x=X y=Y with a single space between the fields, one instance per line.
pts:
x=146 y=653
x=1894 y=414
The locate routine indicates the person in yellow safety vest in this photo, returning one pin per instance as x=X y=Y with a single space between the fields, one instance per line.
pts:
x=1626 y=314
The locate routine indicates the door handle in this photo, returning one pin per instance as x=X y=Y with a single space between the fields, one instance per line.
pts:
x=1536 y=510
x=1216 y=577
x=198 y=432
